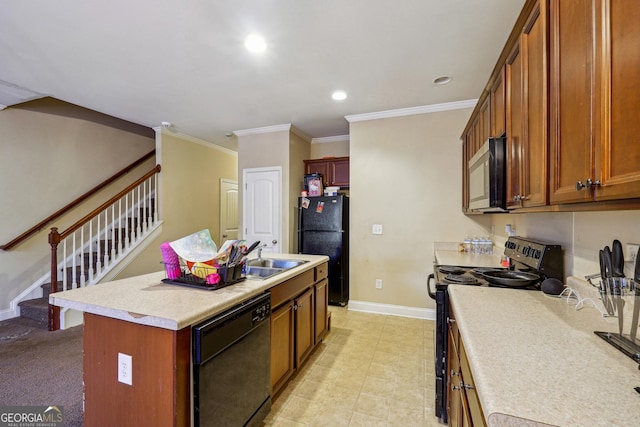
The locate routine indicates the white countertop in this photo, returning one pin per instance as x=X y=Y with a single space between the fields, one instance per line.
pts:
x=536 y=361
x=146 y=300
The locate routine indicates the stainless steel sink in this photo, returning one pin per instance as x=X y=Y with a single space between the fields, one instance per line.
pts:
x=269 y=267
x=262 y=272
x=275 y=263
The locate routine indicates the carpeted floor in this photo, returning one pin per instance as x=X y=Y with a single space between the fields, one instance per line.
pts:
x=38 y=367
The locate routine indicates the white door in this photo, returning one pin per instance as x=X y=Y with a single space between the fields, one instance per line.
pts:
x=228 y=210
x=262 y=205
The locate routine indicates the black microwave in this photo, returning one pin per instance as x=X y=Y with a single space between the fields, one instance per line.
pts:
x=487 y=177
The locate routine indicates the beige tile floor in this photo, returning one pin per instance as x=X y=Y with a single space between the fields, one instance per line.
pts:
x=371 y=370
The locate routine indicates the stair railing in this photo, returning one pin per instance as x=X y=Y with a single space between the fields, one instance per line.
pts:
x=91 y=246
x=39 y=226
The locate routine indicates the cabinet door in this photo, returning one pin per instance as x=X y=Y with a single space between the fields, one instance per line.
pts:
x=317 y=166
x=515 y=134
x=321 y=309
x=304 y=328
x=618 y=159
x=466 y=147
x=572 y=67
x=282 y=324
x=340 y=173
x=454 y=393
x=534 y=179
x=498 y=106
x=484 y=120
x=527 y=143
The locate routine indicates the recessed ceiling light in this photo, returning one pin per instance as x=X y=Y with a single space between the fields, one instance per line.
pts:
x=255 y=43
x=442 y=80
x=339 y=95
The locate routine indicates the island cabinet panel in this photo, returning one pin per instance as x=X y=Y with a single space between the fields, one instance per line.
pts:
x=595 y=143
x=160 y=390
x=282 y=353
x=304 y=320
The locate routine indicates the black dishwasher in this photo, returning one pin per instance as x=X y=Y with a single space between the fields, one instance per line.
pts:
x=231 y=366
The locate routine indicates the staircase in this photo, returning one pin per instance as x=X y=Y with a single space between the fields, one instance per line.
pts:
x=89 y=251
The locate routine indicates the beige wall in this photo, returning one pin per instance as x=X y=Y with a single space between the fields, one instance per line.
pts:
x=405 y=175
x=51 y=152
x=329 y=149
x=581 y=234
x=286 y=150
x=189 y=193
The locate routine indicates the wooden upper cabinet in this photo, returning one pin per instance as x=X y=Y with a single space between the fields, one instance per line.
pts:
x=498 y=106
x=335 y=171
x=595 y=147
x=526 y=114
x=484 y=121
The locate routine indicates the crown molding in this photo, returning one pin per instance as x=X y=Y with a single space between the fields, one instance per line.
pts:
x=266 y=129
x=434 y=108
x=326 y=139
x=160 y=130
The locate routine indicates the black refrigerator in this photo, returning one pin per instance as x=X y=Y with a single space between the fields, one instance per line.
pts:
x=323 y=229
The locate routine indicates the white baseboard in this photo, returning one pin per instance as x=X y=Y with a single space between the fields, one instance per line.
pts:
x=9 y=313
x=392 y=310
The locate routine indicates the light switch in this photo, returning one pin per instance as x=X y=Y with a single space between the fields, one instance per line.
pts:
x=377 y=228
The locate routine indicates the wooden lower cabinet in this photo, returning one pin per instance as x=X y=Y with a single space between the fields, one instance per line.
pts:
x=298 y=323
x=304 y=325
x=282 y=327
x=463 y=403
x=321 y=308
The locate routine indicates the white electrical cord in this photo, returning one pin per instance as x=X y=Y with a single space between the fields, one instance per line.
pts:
x=573 y=295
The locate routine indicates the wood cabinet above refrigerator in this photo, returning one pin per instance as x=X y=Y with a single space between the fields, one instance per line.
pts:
x=335 y=170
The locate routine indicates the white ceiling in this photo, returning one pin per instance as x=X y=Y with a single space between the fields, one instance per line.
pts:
x=184 y=62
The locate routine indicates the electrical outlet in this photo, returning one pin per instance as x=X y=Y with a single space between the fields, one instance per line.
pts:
x=378 y=283
x=125 y=366
x=632 y=252
x=377 y=229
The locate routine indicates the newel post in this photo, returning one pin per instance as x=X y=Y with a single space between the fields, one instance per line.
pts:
x=54 y=312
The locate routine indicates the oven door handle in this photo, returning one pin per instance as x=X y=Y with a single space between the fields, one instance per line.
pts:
x=431 y=294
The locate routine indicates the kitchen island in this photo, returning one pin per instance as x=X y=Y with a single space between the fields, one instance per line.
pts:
x=151 y=321
x=536 y=361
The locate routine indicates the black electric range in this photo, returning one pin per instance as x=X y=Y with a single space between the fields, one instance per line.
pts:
x=530 y=262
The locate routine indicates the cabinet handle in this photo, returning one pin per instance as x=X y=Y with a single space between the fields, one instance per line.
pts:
x=449 y=320
x=453 y=373
x=591 y=183
x=467 y=386
x=580 y=185
x=454 y=388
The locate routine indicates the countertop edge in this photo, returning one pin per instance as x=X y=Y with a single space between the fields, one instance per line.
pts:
x=228 y=296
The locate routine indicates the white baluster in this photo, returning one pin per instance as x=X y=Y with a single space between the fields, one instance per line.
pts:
x=127 y=222
x=105 y=233
x=82 y=276
x=113 y=233
x=144 y=205
x=91 y=271
x=120 y=228
x=99 y=249
x=155 y=198
x=139 y=227
x=64 y=265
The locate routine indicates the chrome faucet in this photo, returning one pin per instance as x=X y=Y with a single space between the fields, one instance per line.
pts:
x=259 y=248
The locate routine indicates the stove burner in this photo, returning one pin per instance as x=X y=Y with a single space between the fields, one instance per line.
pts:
x=451 y=270
x=458 y=279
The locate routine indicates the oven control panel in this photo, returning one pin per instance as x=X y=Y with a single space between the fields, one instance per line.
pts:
x=544 y=257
